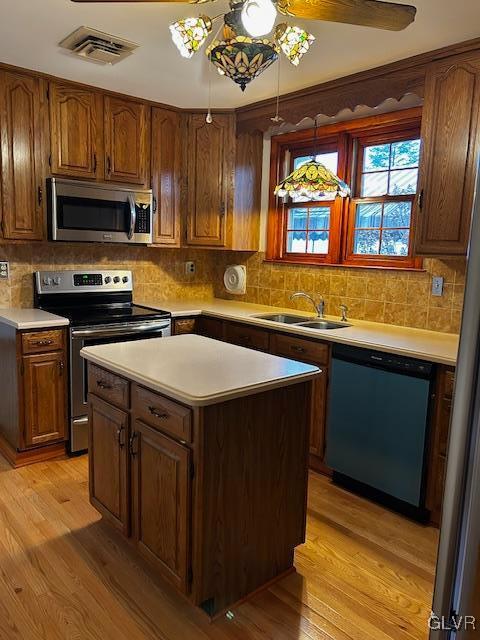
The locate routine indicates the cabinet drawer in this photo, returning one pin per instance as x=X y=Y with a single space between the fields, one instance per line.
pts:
x=246 y=336
x=162 y=414
x=210 y=327
x=42 y=341
x=300 y=349
x=108 y=386
x=184 y=325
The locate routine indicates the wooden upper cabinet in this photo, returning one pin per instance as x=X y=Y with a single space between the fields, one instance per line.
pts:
x=22 y=129
x=161 y=502
x=127 y=147
x=451 y=139
x=210 y=165
x=166 y=172
x=76 y=131
x=45 y=398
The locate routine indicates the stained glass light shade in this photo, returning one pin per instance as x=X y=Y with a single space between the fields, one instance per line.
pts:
x=189 y=34
x=242 y=58
x=294 y=42
x=314 y=181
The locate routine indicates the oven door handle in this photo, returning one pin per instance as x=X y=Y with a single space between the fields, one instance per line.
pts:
x=111 y=332
x=133 y=215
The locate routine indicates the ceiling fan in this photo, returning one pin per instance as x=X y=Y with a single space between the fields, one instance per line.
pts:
x=245 y=50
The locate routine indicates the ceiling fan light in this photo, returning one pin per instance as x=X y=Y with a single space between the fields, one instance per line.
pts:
x=294 y=42
x=258 y=17
x=189 y=34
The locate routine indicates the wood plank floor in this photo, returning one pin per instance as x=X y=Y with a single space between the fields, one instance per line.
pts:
x=364 y=573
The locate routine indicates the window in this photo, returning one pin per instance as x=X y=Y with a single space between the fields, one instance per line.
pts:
x=379 y=158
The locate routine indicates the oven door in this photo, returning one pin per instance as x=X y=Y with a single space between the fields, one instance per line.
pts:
x=87 y=337
x=89 y=212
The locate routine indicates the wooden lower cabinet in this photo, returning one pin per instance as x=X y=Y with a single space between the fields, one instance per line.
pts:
x=210 y=327
x=45 y=393
x=161 y=481
x=108 y=462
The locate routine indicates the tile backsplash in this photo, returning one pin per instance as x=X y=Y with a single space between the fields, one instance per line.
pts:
x=394 y=297
x=159 y=274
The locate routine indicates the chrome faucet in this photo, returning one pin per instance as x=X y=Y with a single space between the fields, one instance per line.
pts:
x=319 y=308
x=344 y=310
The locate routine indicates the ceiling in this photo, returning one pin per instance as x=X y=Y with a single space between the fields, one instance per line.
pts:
x=31 y=29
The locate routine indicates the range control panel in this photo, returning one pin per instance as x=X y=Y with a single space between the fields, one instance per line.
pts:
x=80 y=281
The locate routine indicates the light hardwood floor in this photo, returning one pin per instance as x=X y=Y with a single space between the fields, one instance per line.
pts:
x=364 y=573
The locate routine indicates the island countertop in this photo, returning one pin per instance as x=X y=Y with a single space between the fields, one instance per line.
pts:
x=198 y=371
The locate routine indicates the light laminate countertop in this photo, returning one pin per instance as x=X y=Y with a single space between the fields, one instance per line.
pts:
x=431 y=346
x=198 y=371
x=22 y=319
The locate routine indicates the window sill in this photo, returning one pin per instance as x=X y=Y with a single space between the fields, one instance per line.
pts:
x=340 y=266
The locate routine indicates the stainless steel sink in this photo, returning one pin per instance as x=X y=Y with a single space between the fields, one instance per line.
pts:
x=284 y=318
x=324 y=324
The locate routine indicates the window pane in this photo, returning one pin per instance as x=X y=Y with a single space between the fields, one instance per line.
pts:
x=301 y=160
x=395 y=242
x=405 y=154
x=318 y=242
x=376 y=157
x=296 y=241
x=397 y=214
x=367 y=242
x=369 y=215
x=374 y=184
x=403 y=182
x=297 y=218
x=319 y=218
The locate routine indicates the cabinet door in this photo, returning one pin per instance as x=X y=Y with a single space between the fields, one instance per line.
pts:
x=22 y=126
x=108 y=468
x=161 y=502
x=44 y=398
x=451 y=138
x=210 y=159
x=76 y=131
x=166 y=168
x=318 y=419
x=126 y=141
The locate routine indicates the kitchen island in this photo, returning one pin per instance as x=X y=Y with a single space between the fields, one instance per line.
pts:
x=199 y=455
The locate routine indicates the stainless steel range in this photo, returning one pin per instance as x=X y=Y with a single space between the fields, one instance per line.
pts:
x=99 y=305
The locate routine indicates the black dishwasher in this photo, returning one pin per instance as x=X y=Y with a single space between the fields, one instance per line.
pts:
x=378 y=426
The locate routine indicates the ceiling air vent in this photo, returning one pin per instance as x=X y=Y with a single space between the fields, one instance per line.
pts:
x=97 y=46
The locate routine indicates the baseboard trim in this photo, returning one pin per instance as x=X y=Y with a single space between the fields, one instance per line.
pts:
x=31 y=456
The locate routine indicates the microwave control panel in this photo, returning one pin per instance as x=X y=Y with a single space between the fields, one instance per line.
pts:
x=142 y=223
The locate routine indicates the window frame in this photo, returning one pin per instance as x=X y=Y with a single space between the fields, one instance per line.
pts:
x=348 y=138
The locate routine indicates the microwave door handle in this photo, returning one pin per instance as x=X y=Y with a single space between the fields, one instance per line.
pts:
x=133 y=215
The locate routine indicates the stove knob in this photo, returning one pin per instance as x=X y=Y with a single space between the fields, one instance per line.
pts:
x=47 y=281
x=57 y=280
x=116 y=279
x=107 y=279
x=125 y=279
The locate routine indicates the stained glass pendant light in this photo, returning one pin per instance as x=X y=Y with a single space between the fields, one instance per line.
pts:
x=189 y=34
x=312 y=180
x=294 y=42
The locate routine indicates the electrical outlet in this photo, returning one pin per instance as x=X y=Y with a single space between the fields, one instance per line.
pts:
x=4 y=270
x=189 y=268
x=437 y=286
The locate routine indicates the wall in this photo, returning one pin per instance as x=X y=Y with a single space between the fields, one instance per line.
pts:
x=158 y=273
x=395 y=297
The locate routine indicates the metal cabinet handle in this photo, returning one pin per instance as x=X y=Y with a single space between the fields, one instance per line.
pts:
x=120 y=439
x=40 y=195
x=94 y=163
x=103 y=385
x=420 y=199
x=109 y=165
x=133 y=437
x=298 y=349
x=156 y=413
x=61 y=366
x=41 y=343
x=155 y=205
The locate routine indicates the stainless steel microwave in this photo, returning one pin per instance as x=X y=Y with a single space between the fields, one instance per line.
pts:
x=96 y=212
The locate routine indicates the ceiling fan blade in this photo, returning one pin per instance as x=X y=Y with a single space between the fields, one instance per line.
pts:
x=184 y=1
x=367 y=13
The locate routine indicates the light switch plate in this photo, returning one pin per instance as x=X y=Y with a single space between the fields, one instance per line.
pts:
x=437 y=286
x=4 y=270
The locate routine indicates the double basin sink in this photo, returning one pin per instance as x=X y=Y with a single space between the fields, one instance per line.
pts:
x=306 y=322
